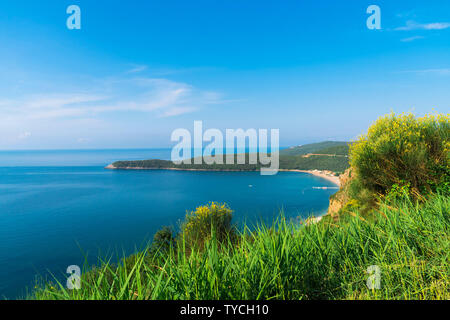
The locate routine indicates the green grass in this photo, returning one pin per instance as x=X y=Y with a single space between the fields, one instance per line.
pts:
x=326 y=260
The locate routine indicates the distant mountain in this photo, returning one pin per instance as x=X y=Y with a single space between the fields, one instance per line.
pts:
x=326 y=147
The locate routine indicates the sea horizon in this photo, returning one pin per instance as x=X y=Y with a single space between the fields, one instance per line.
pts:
x=99 y=157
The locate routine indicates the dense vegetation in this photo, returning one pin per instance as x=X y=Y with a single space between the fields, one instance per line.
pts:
x=336 y=164
x=316 y=148
x=404 y=151
x=333 y=158
x=327 y=260
x=167 y=164
x=336 y=150
x=400 y=154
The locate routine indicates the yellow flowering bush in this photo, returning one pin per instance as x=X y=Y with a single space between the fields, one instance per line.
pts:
x=213 y=219
x=403 y=151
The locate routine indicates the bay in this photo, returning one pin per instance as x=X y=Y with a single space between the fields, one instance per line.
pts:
x=60 y=208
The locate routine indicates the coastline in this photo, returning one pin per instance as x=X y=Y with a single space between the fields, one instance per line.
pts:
x=325 y=174
x=328 y=175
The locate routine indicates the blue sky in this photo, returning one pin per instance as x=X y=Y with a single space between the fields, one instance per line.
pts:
x=137 y=70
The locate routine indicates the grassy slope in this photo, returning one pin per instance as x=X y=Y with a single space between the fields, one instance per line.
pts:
x=327 y=260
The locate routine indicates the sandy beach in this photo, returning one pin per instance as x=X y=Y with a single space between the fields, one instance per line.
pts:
x=319 y=173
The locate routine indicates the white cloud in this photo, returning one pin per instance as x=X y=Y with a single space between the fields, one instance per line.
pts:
x=56 y=101
x=435 y=71
x=24 y=135
x=137 y=69
x=441 y=71
x=102 y=108
x=436 y=26
x=412 y=25
x=406 y=14
x=161 y=96
x=410 y=39
x=177 y=111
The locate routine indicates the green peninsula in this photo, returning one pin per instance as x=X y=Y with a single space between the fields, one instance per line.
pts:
x=324 y=156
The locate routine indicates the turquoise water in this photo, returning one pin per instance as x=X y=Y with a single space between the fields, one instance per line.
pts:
x=51 y=216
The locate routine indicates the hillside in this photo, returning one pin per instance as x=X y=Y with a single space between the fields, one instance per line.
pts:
x=329 y=155
x=336 y=150
x=320 y=147
x=337 y=164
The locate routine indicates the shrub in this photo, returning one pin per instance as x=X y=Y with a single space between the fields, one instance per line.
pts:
x=402 y=152
x=163 y=241
x=212 y=220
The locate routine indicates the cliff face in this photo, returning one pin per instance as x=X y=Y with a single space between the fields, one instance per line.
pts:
x=339 y=199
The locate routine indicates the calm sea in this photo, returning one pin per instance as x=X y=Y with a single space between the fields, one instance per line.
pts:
x=59 y=207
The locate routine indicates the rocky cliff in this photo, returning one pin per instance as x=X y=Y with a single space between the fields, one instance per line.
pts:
x=340 y=198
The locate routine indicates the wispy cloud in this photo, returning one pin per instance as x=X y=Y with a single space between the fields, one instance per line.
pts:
x=24 y=135
x=410 y=39
x=177 y=111
x=83 y=140
x=163 y=97
x=49 y=101
x=438 y=71
x=408 y=14
x=137 y=69
x=158 y=71
x=412 y=25
x=97 y=110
